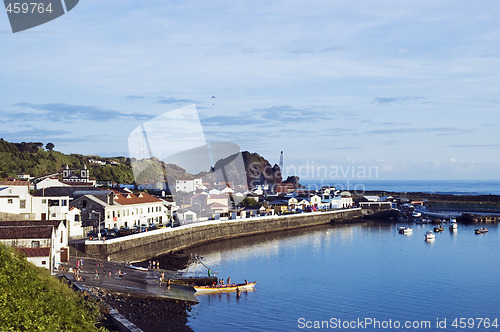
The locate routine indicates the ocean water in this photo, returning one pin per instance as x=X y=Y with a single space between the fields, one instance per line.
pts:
x=354 y=273
x=457 y=187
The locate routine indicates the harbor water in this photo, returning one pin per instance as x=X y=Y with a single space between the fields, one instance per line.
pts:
x=353 y=273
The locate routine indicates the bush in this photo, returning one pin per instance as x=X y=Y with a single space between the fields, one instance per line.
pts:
x=32 y=300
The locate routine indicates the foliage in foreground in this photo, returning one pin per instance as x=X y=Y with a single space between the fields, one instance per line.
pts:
x=32 y=300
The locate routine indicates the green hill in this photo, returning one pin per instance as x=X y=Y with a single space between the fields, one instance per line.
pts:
x=33 y=159
x=32 y=300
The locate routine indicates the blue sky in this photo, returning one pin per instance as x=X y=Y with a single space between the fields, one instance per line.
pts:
x=409 y=87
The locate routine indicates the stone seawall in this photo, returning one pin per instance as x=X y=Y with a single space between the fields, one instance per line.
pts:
x=142 y=246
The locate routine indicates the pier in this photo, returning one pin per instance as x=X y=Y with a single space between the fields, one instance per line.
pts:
x=142 y=246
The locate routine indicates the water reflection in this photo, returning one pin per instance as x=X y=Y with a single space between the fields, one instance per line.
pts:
x=351 y=271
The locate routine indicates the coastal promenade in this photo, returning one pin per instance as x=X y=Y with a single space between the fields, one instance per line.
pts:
x=145 y=245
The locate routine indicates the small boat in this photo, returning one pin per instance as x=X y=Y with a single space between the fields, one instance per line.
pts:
x=416 y=214
x=438 y=229
x=481 y=230
x=140 y=268
x=453 y=224
x=405 y=230
x=429 y=236
x=224 y=288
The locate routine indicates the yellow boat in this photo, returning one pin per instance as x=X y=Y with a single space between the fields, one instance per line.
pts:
x=224 y=288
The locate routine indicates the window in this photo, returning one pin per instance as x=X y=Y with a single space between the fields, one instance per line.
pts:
x=64 y=202
x=77 y=218
x=108 y=215
x=22 y=204
x=44 y=262
x=52 y=215
x=44 y=201
x=53 y=202
x=35 y=244
x=9 y=201
x=114 y=214
x=126 y=224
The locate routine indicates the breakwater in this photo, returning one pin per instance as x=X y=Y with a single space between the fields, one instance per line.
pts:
x=142 y=246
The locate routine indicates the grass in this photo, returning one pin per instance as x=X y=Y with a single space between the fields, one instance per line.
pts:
x=32 y=300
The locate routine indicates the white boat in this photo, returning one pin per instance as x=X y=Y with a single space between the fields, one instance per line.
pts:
x=453 y=224
x=430 y=236
x=405 y=230
x=416 y=214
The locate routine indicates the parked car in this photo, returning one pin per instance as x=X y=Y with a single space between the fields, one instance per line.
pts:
x=161 y=226
x=125 y=231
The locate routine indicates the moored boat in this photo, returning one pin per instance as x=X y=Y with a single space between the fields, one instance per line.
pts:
x=481 y=230
x=405 y=230
x=224 y=288
x=453 y=224
x=438 y=229
x=429 y=236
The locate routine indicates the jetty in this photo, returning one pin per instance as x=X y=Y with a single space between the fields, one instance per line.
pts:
x=138 y=247
x=120 y=278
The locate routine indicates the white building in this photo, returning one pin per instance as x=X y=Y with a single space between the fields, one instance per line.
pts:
x=50 y=182
x=45 y=243
x=188 y=185
x=121 y=210
x=346 y=199
x=15 y=199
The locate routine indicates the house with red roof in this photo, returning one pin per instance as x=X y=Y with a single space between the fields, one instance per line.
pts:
x=44 y=242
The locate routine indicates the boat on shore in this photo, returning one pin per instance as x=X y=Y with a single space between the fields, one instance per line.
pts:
x=224 y=288
x=481 y=230
x=430 y=236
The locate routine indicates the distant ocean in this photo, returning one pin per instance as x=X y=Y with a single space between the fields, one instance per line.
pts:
x=455 y=187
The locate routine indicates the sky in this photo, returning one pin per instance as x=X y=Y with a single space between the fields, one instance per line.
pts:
x=362 y=89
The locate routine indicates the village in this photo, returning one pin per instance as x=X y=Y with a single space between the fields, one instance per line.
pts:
x=41 y=218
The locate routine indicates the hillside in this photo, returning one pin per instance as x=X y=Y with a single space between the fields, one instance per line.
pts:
x=32 y=158
x=32 y=300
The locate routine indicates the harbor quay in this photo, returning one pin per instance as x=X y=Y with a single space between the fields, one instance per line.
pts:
x=139 y=247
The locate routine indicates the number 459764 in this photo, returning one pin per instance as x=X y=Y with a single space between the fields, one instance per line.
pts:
x=474 y=323
x=25 y=8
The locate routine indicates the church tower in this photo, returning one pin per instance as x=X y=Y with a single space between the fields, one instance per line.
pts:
x=84 y=174
x=66 y=172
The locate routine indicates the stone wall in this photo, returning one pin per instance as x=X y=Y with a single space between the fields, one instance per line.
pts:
x=145 y=245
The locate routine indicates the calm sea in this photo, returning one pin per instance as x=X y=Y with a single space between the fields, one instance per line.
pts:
x=350 y=272
x=458 y=187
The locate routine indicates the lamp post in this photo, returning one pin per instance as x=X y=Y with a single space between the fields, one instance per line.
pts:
x=98 y=223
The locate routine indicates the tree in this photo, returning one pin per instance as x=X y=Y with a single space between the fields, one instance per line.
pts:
x=50 y=146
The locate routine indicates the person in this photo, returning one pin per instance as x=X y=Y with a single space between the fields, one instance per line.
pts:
x=168 y=284
x=96 y=275
x=209 y=272
x=162 y=277
x=229 y=280
x=109 y=274
x=246 y=282
x=149 y=265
